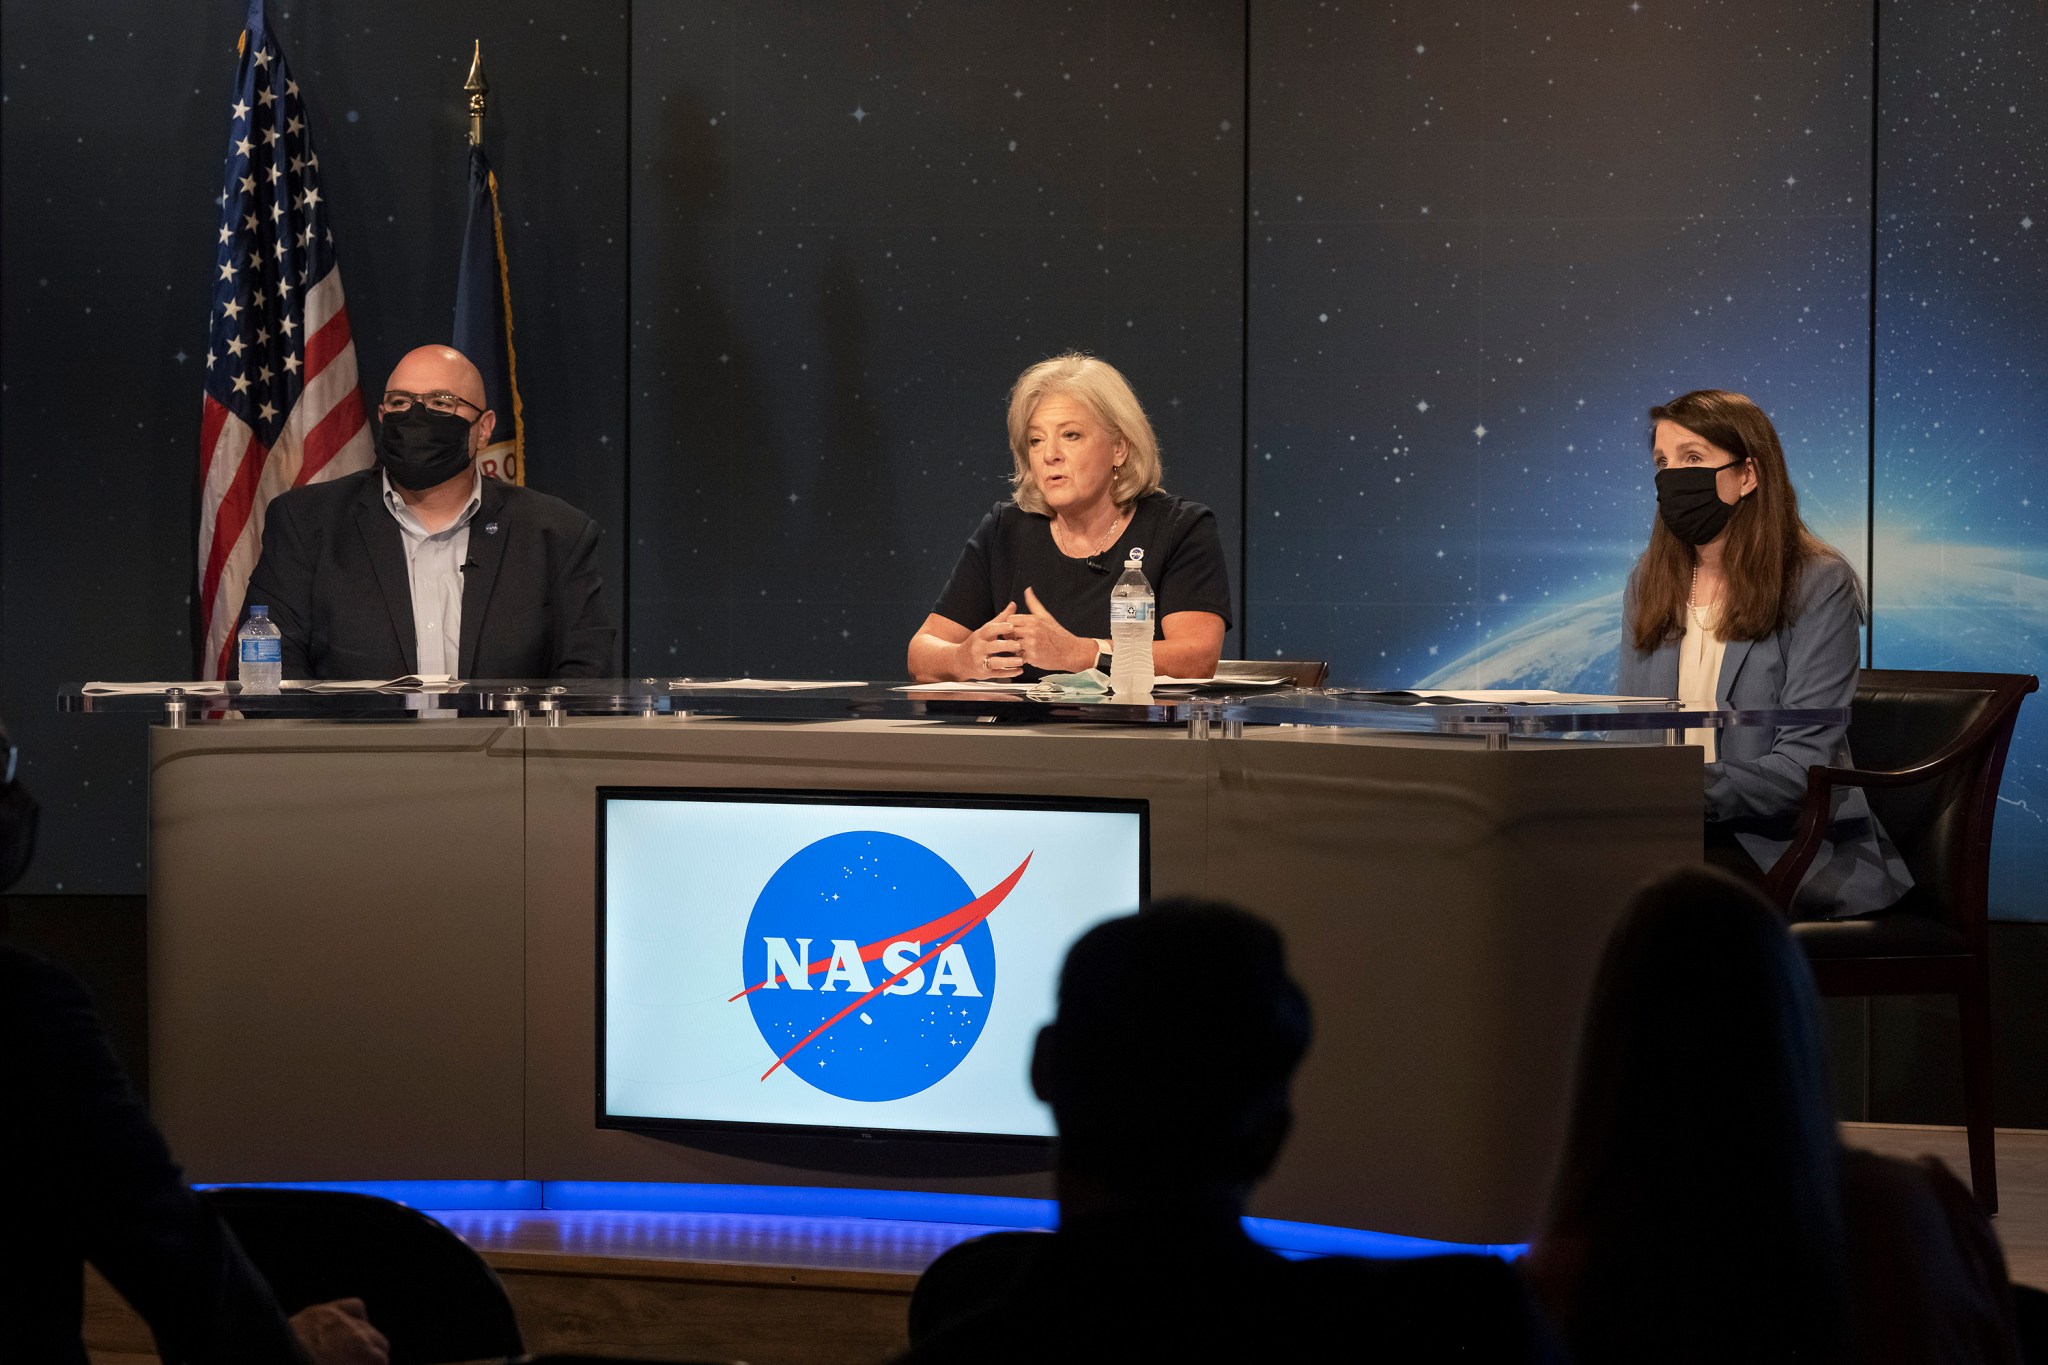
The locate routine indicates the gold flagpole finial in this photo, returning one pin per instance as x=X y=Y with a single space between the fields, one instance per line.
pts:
x=479 y=92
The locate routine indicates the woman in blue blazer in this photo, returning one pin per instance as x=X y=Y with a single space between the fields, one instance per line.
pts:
x=1737 y=603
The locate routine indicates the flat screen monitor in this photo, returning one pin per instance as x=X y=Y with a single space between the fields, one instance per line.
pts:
x=855 y=963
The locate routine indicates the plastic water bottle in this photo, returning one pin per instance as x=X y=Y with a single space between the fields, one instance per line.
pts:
x=259 y=646
x=1131 y=612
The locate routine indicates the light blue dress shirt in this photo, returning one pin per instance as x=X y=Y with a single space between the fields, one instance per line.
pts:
x=433 y=566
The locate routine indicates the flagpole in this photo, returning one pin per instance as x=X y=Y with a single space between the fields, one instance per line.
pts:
x=479 y=94
x=483 y=294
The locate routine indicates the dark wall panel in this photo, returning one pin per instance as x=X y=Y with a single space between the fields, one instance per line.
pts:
x=113 y=134
x=1485 y=238
x=105 y=250
x=853 y=225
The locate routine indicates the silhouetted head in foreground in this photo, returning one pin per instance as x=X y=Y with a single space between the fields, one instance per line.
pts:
x=1168 y=1064
x=1168 y=1067
x=1697 y=1214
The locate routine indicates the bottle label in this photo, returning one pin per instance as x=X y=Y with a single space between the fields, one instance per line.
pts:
x=1135 y=611
x=261 y=650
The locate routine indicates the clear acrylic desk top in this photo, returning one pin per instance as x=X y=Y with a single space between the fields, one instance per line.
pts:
x=1210 y=712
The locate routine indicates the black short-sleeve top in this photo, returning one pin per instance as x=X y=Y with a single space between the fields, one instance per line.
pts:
x=1013 y=549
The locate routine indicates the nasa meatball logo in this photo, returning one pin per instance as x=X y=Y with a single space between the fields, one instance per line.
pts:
x=871 y=964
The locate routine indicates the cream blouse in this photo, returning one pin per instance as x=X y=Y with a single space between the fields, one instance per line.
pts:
x=1699 y=671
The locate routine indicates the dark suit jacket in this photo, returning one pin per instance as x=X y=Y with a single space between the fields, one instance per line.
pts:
x=333 y=575
x=91 y=1180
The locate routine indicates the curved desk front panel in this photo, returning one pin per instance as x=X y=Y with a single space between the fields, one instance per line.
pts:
x=373 y=947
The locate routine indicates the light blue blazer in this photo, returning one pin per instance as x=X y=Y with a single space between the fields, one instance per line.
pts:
x=1760 y=780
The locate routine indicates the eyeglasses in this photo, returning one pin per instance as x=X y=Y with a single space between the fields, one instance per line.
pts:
x=397 y=402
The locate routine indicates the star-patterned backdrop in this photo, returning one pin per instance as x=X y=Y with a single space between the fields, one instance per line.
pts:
x=1485 y=240
x=1960 y=569
x=1396 y=281
x=852 y=230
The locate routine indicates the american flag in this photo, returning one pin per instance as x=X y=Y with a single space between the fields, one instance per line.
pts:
x=282 y=406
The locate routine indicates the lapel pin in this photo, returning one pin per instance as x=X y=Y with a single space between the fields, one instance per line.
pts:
x=490 y=528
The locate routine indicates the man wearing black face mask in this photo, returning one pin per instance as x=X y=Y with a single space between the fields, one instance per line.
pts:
x=423 y=565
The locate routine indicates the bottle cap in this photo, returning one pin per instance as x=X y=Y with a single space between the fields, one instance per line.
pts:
x=1137 y=557
x=259 y=611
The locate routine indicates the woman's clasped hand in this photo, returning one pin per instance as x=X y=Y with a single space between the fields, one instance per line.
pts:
x=1013 y=639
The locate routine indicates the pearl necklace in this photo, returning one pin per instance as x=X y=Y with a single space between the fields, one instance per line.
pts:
x=1692 y=600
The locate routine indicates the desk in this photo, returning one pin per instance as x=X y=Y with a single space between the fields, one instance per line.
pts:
x=372 y=947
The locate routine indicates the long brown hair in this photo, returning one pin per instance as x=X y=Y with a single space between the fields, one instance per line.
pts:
x=1697 y=1212
x=1768 y=545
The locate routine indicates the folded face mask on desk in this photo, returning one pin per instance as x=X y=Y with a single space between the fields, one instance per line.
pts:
x=1092 y=685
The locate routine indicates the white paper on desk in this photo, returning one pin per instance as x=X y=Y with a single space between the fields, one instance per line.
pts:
x=411 y=682
x=1220 y=681
x=755 y=685
x=1535 y=696
x=145 y=689
x=1251 y=672
x=983 y=685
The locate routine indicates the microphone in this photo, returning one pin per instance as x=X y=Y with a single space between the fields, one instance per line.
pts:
x=1096 y=565
x=465 y=566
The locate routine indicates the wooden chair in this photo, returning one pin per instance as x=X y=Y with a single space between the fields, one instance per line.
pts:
x=1933 y=748
x=1308 y=673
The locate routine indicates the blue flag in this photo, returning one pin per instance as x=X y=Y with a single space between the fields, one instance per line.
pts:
x=483 y=322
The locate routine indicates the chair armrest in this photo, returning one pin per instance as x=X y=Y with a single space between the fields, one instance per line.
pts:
x=1992 y=727
x=1816 y=813
x=1785 y=875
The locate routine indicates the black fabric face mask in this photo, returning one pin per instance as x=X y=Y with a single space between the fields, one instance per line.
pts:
x=1689 y=504
x=420 y=448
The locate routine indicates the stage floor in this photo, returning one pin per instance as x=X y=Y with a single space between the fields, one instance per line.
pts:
x=2022 y=1221
x=770 y=1289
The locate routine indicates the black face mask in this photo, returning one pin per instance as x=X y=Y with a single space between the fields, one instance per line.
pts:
x=420 y=448
x=1690 y=504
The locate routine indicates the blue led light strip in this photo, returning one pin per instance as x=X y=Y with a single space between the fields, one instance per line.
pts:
x=448 y=1195
x=802 y=1201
